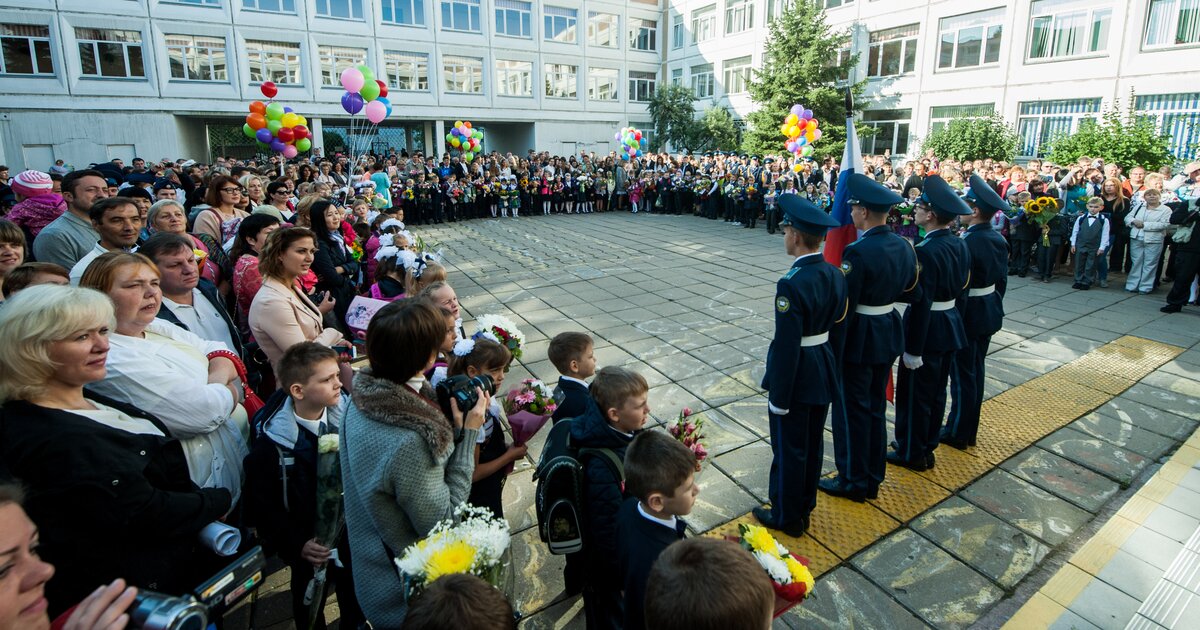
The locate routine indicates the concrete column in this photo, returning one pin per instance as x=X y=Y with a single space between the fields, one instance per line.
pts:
x=438 y=140
x=318 y=138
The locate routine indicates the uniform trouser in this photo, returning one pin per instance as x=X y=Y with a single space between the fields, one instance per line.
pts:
x=1046 y=256
x=1187 y=264
x=798 y=449
x=772 y=218
x=1086 y=262
x=1020 y=256
x=966 y=389
x=603 y=607
x=921 y=406
x=1144 y=270
x=860 y=426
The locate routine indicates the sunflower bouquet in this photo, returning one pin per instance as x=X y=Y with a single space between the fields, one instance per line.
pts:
x=1041 y=211
x=473 y=542
x=789 y=573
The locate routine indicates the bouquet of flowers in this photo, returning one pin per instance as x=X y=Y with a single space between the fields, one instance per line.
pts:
x=788 y=572
x=409 y=195
x=200 y=256
x=501 y=330
x=528 y=408
x=690 y=431
x=330 y=518
x=1041 y=211
x=356 y=251
x=473 y=542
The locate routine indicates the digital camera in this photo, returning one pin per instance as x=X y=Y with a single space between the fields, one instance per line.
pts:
x=210 y=600
x=461 y=390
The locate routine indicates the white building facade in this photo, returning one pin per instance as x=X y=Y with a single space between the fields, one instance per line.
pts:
x=87 y=80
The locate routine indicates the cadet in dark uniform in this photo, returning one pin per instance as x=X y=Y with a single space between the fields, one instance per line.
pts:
x=801 y=377
x=933 y=327
x=982 y=313
x=880 y=267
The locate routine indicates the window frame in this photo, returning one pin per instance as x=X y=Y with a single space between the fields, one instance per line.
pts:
x=593 y=86
x=993 y=22
x=876 y=119
x=735 y=71
x=705 y=17
x=1056 y=13
x=639 y=32
x=908 y=49
x=296 y=72
x=524 y=18
x=554 y=75
x=1056 y=111
x=465 y=62
x=329 y=53
x=95 y=45
x=448 y=16
x=595 y=20
x=282 y=10
x=194 y=46
x=570 y=24
x=739 y=16
x=642 y=85
x=1176 y=13
x=706 y=76
x=503 y=75
x=31 y=41
x=395 y=60
x=937 y=121
x=677 y=31
x=350 y=6
x=416 y=9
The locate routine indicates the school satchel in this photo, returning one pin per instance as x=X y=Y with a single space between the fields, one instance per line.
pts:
x=560 y=478
x=1183 y=233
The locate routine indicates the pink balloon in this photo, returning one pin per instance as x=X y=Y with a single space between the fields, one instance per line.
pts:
x=376 y=112
x=816 y=134
x=289 y=151
x=352 y=80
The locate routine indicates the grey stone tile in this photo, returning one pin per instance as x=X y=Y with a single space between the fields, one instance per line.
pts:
x=649 y=348
x=1150 y=418
x=723 y=356
x=716 y=388
x=720 y=500
x=1083 y=487
x=1027 y=507
x=750 y=413
x=1152 y=547
x=1124 y=435
x=1177 y=404
x=1105 y=606
x=1022 y=359
x=680 y=366
x=1130 y=575
x=846 y=599
x=1056 y=347
x=750 y=467
x=666 y=401
x=1071 y=621
x=943 y=591
x=721 y=433
x=1111 y=461
x=538 y=580
x=1184 y=500
x=1008 y=372
x=989 y=545
x=1185 y=385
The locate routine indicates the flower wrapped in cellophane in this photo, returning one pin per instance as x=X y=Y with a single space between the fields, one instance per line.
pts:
x=689 y=429
x=528 y=407
x=474 y=542
x=789 y=573
x=500 y=329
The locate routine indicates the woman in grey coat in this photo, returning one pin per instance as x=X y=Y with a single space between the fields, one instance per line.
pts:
x=405 y=465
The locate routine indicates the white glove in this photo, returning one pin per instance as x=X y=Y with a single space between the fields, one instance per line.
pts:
x=776 y=410
x=912 y=362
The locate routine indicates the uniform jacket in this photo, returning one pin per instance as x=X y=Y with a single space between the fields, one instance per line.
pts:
x=640 y=541
x=945 y=273
x=809 y=300
x=602 y=496
x=984 y=315
x=880 y=268
x=281 y=317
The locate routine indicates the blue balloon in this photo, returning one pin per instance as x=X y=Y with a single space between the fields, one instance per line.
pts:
x=277 y=145
x=625 y=156
x=263 y=135
x=387 y=104
x=287 y=110
x=352 y=103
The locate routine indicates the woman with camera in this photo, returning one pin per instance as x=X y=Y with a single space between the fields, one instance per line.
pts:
x=406 y=463
x=108 y=487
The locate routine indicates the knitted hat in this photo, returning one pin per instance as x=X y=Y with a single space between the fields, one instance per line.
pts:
x=32 y=183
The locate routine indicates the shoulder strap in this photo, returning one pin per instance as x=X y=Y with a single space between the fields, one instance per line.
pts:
x=610 y=458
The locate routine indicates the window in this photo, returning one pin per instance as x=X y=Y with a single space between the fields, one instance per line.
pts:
x=704 y=23
x=334 y=59
x=272 y=6
x=344 y=9
x=514 y=78
x=891 y=131
x=833 y=4
x=1067 y=28
x=110 y=53
x=893 y=52
x=601 y=29
x=560 y=80
x=274 y=61
x=643 y=34
x=460 y=15
x=677 y=76
x=406 y=12
x=1173 y=23
x=25 y=49
x=1040 y=122
x=641 y=85
x=776 y=8
x=842 y=61
x=560 y=24
x=941 y=115
x=207 y=3
x=702 y=80
x=195 y=58
x=739 y=16
x=406 y=71
x=464 y=75
x=970 y=40
x=677 y=31
x=512 y=18
x=602 y=84
x=1178 y=117
x=737 y=75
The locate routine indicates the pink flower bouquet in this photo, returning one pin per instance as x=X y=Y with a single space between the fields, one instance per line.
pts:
x=689 y=429
x=528 y=408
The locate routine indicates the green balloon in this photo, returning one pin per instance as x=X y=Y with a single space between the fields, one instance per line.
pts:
x=449 y=136
x=261 y=146
x=303 y=144
x=369 y=91
x=368 y=75
x=274 y=126
x=477 y=134
x=274 y=111
x=248 y=130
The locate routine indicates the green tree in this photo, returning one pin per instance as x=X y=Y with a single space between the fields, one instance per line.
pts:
x=1126 y=139
x=715 y=130
x=672 y=112
x=973 y=139
x=800 y=66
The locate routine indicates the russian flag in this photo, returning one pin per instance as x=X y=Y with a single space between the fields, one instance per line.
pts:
x=838 y=238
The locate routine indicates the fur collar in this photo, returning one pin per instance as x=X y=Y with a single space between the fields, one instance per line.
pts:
x=394 y=404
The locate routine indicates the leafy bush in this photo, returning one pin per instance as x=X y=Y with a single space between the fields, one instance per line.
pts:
x=1125 y=139
x=715 y=130
x=672 y=112
x=973 y=139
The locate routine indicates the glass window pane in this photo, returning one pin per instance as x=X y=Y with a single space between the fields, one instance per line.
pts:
x=970 y=45
x=885 y=136
x=910 y=55
x=946 y=51
x=873 y=61
x=991 y=52
x=901 y=138
x=112 y=59
x=18 y=58
x=1100 y=23
x=1069 y=34
x=1188 y=28
x=1161 y=18
x=891 y=58
x=45 y=62
x=1039 y=43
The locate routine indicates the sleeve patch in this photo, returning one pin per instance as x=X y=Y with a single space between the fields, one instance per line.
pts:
x=846 y=267
x=782 y=304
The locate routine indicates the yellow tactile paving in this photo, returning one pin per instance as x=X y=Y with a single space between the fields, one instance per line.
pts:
x=820 y=559
x=955 y=469
x=905 y=494
x=1039 y=612
x=845 y=527
x=1095 y=379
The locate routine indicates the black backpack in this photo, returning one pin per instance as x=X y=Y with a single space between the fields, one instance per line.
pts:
x=560 y=479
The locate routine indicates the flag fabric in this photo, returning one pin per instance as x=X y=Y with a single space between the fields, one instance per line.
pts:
x=838 y=238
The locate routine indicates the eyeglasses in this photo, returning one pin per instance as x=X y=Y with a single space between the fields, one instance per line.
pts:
x=231 y=190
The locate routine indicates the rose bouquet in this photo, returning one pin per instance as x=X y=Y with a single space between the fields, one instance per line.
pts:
x=473 y=542
x=789 y=573
x=501 y=330
x=689 y=429
x=528 y=408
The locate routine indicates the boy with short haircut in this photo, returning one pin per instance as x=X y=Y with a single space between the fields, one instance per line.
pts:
x=460 y=600
x=708 y=584
x=281 y=476
x=572 y=354
x=660 y=477
x=619 y=410
x=1089 y=240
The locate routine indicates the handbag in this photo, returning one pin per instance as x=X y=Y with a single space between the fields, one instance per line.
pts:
x=251 y=402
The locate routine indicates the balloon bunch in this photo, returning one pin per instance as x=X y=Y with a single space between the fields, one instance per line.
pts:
x=276 y=127
x=466 y=139
x=632 y=142
x=366 y=94
x=800 y=129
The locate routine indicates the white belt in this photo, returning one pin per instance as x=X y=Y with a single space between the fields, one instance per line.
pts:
x=863 y=309
x=981 y=291
x=942 y=306
x=814 y=340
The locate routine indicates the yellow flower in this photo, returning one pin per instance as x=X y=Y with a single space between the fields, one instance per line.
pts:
x=800 y=574
x=1031 y=205
x=455 y=557
x=760 y=539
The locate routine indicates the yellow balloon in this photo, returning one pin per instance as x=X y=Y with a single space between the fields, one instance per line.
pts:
x=290 y=120
x=784 y=130
x=793 y=130
x=303 y=120
x=791 y=119
x=458 y=123
x=797 y=168
x=809 y=136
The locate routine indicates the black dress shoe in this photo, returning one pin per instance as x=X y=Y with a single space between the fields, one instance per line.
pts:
x=961 y=445
x=764 y=516
x=1171 y=308
x=838 y=488
x=930 y=460
x=894 y=457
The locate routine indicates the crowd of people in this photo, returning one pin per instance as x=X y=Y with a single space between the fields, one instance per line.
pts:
x=152 y=308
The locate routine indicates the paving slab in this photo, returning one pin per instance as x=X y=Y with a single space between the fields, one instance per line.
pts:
x=1027 y=507
x=1176 y=427
x=1104 y=605
x=1130 y=575
x=1178 y=404
x=1125 y=435
x=715 y=388
x=750 y=467
x=848 y=600
x=990 y=546
x=720 y=500
x=1079 y=485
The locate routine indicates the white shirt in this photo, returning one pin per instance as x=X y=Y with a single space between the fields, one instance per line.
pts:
x=564 y=377
x=117 y=419
x=1089 y=217
x=82 y=265
x=202 y=318
x=312 y=426
x=661 y=521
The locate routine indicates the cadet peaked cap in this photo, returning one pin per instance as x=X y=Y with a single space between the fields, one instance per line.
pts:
x=865 y=191
x=802 y=215
x=983 y=196
x=937 y=194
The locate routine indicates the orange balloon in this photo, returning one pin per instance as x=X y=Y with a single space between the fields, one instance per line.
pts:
x=467 y=124
x=258 y=107
x=256 y=121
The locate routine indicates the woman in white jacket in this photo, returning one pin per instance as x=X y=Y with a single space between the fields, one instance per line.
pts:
x=1148 y=223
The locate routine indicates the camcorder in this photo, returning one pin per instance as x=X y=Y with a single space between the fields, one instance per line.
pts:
x=211 y=600
x=460 y=390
